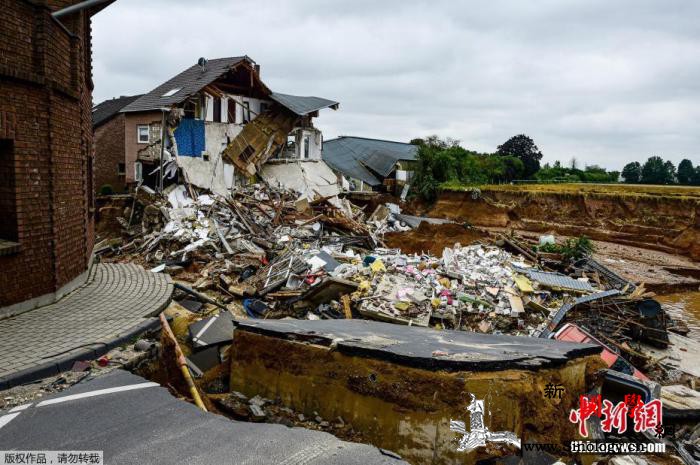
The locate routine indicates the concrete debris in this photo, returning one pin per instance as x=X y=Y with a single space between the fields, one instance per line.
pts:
x=272 y=257
x=265 y=252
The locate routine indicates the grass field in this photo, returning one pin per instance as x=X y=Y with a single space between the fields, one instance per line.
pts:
x=636 y=190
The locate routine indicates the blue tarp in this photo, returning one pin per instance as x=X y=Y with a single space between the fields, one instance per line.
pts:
x=189 y=136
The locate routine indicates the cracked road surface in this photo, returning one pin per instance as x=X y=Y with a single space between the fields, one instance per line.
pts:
x=137 y=422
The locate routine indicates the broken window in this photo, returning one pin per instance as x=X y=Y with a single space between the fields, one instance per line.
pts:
x=306 y=146
x=190 y=109
x=246 y=112
x=291 y=146
x=8 y=205
x=143 y=133
x=217 y=110
x=231 y=110
x=247 y=153
x=121 y=169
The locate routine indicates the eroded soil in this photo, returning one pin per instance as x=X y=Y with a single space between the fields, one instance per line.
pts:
x=669 y=224
x=433 y=238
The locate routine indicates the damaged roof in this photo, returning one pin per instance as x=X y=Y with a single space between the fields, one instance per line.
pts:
x=103 y=112
x=188 y=82
x=366 y=159
x=195 y=78
x=302 y=106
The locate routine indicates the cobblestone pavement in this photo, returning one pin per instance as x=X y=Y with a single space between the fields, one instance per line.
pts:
x=116 y=299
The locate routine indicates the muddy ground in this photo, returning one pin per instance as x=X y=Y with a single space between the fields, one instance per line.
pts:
x=433 y=238
x=647 y=236
x=668 y=224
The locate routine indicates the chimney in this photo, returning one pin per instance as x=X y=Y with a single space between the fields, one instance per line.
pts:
x=257 y=69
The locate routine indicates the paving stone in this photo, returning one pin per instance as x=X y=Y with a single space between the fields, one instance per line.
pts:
x=116 y=298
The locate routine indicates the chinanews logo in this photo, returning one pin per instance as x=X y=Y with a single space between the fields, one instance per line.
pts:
x=632 y=413
x=643 y=416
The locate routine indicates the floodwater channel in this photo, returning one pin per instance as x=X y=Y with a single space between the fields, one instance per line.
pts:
x=685 y=306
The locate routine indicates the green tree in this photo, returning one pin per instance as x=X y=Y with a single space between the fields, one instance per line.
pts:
x=670 y=172
x=524 y=148
x=435 y=165
x=632 y=172
x=513 y=168
x=656 y=171
x=686 y=172
x=595 y=173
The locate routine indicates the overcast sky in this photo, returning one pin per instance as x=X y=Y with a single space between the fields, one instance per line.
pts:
x=604 y=81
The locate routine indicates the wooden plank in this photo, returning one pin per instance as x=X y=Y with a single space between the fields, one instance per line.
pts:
x=345 y=299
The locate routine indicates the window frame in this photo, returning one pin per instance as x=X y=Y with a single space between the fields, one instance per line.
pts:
x=216 y=109
x=138 y=171
x=148 y=133
x=246 y=112
x=231 y=110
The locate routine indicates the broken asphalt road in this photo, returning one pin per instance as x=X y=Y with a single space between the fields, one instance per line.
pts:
x=137 y=422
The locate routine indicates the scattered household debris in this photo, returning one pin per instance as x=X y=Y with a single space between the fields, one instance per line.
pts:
x=267 y=252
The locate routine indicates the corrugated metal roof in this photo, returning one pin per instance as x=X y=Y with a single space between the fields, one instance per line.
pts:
x=303 y=105
x=103 y=111
x=366 y=159
x=558 y=281
x=184 y=84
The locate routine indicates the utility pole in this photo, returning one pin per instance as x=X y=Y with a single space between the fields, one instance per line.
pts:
x=162 y=150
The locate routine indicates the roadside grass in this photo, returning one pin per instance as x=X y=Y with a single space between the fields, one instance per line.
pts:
x=618 y=190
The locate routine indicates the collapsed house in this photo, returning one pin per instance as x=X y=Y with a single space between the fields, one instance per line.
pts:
x=296 y=313
x=364 y=164
x=214 y=126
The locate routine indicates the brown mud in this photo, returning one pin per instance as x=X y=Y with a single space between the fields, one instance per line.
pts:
x=669 y=224
x=433 y=238
x=649 y=239
x=405 y=409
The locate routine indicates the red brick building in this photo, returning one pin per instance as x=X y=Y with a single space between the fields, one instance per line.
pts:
x=110 y=130
x=46 y=162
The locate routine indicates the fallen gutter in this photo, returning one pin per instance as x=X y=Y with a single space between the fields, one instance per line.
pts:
x=78 y=7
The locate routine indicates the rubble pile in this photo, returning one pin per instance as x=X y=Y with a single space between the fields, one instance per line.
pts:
x=258 y=409
x=268 y=253
x=201 y=234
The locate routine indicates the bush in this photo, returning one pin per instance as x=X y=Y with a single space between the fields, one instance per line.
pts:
x=106 y=190
x=572 y=249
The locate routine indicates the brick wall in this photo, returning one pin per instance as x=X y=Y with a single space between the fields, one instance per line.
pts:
x=45 y=109
x=109 y=152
